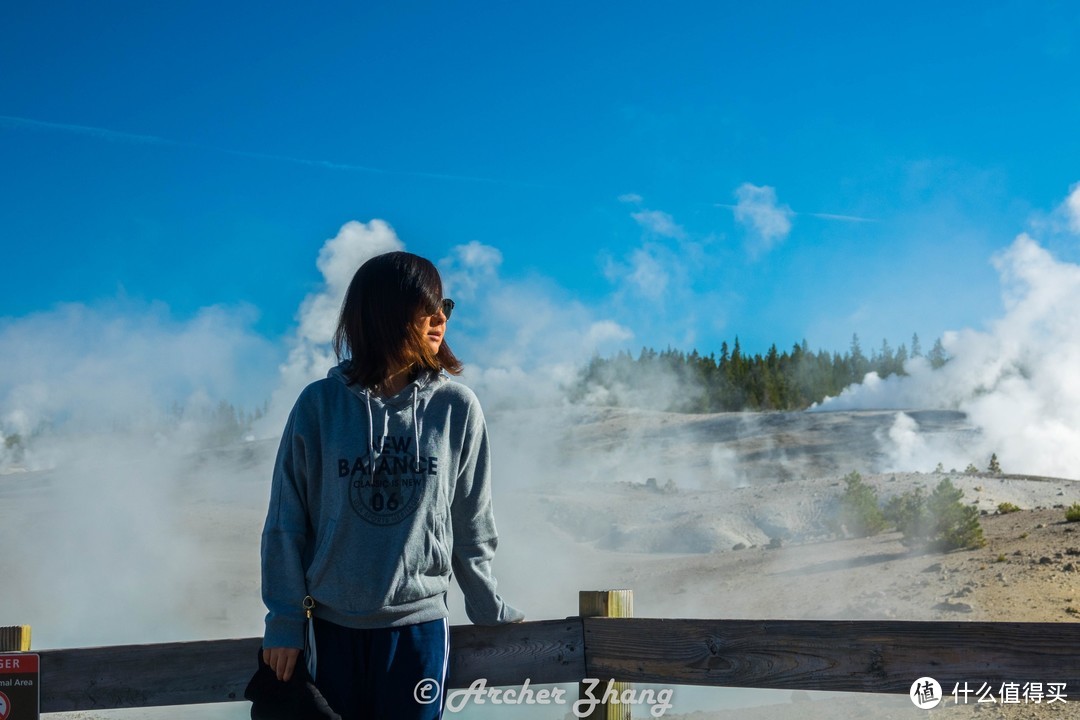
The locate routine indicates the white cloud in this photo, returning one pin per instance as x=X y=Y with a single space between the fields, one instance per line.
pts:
x=632 y=198
x=605 y=332
x=1072 y=208
x=469 y=267
x=647 y=273
x=758 y=210
x=659 y=222
x=648 y=270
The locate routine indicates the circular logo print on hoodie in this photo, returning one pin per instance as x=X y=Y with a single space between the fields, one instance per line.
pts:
x=390 y=493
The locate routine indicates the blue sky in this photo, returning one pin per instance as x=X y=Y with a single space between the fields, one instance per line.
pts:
x=691 y=171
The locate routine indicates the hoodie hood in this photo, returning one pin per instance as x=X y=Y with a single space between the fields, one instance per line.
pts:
x=416 y=393
x=423 y=385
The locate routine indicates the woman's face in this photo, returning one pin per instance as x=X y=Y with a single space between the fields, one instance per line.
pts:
x=432 y=327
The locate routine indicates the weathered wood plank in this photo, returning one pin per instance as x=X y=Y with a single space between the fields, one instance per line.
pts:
x=125 y=676
x=214 y=671
x=547 y=651
x=867 y=656
x=857 y=656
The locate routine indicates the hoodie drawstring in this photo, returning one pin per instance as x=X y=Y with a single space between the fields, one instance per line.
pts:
x=416 y=425
x=371 y=431
x=386 y=426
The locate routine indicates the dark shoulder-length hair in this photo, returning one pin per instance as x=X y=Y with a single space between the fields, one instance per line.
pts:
x=377 y=326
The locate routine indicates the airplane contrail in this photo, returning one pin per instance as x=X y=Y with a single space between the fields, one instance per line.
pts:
x=823 y=216
x=117 y=136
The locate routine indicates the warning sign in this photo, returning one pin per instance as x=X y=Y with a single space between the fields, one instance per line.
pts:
x=19 y=686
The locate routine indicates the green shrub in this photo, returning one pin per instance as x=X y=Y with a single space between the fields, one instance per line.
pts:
x=1072 y=513
x=858 y=510
x=939 y=520
x=956 y=525
x=1007 y=507
x=909 y=514
x=971 y=469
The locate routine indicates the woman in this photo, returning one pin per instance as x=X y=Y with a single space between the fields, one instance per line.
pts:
x=381 y=489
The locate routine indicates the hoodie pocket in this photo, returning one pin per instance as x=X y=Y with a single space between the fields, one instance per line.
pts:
x=436 y=554
x=323 y=554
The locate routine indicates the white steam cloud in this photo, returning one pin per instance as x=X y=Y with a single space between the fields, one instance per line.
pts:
x=310 y=353
x=122 y=366
x=1017 y=380
x=107 y=416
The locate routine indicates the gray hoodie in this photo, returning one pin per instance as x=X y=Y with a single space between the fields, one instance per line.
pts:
x=374 y=502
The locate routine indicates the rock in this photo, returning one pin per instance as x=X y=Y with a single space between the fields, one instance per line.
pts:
x=954 y=607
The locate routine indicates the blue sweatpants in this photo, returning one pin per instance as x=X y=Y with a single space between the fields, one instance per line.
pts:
x=374 y=674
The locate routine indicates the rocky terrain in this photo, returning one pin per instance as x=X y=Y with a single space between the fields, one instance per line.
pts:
x=701 y=516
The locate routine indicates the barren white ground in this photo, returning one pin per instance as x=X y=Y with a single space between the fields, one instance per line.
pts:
x=653 y=502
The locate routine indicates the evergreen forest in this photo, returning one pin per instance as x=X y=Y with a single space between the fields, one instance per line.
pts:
x=733 y=380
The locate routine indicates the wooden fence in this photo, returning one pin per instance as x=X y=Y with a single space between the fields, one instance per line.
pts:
x=855 y=656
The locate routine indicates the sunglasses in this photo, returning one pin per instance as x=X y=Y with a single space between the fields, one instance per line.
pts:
x=447 y=306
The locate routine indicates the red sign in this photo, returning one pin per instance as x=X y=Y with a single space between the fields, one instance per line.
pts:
x=19 y=686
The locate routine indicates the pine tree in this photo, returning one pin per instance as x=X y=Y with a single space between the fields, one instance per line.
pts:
x=956 y=525
x=900 y=359
x=858 y=362
x=916 y=348
x=938 y=356
x=885 y=359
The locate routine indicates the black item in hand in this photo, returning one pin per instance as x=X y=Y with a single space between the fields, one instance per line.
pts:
x=296 y=699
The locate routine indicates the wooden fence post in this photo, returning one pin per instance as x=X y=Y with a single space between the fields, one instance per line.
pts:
x=609 y=604
x=15 y=638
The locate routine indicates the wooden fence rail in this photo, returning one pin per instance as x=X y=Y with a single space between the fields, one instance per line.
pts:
x=856 y=656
